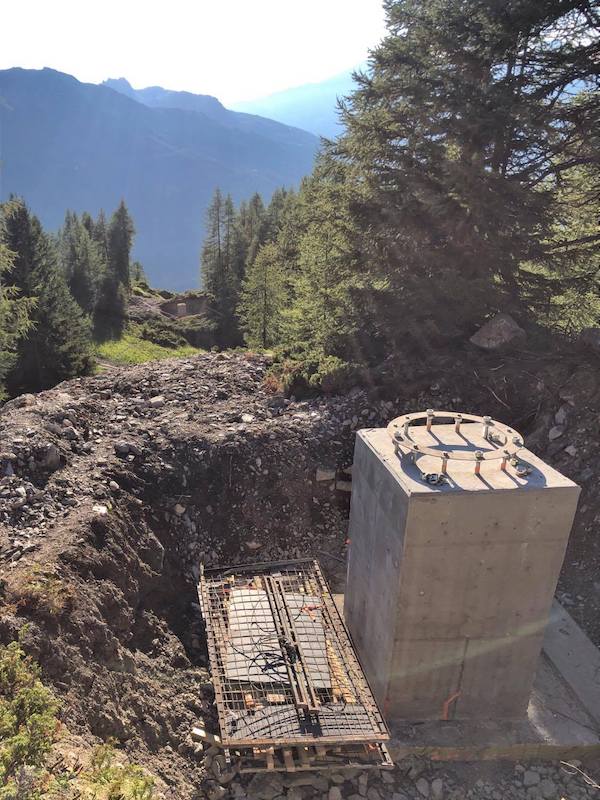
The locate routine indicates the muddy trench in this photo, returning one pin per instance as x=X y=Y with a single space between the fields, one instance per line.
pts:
x=126 y=650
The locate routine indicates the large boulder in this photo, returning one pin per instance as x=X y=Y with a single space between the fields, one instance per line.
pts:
x=590 y=339
x=499 y=333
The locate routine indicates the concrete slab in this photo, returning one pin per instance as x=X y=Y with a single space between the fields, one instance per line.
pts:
x=450 y=585
x=563 y=716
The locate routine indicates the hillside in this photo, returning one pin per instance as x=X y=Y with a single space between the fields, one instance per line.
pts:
x=312 y=106
x=67 y=144
x=125 y=482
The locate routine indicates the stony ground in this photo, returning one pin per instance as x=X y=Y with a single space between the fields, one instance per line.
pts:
x=116 y=487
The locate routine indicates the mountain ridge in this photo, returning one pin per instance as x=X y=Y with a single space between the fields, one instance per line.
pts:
x=73 y=145
x=310 y=106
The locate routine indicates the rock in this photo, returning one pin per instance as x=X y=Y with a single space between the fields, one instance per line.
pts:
x=423 y=787
x=101 y=510
x=373 y=793
x=590 y=339
x=121 y=448
x=51 y=458
x=437 y=789
x=555 y=432
x=113 y=486
x=571 y=450
x=562 y=414
x=264 y=786
x=363 y=780
x=499 y=334
x=216 y=792
x=343 y=486
x=324 y=474
x=179 y=509
x=247 y=418
x=156 y=402
x=548 y=789
x=531 y=777
x=334 y=793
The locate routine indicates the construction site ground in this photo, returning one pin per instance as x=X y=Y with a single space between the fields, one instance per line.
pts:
x=120 y=485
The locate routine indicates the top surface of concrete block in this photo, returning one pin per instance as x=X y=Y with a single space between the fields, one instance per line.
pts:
x=460 y=474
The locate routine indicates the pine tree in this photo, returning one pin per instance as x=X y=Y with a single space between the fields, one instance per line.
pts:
x=120 y=240
x=330 y=297
x=456 y=140
x=99 y=233
x=255 y=229
x=263 y=299
x=81 y=260
x=218 y=269
x=113 y=243
x=58 y=344
x=110 y=310
x=137 y=273
x=14 y=318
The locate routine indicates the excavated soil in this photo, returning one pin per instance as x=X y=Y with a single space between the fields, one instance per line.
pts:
x=117 y=487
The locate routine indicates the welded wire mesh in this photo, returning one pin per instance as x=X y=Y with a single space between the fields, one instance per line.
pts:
x=283 y=666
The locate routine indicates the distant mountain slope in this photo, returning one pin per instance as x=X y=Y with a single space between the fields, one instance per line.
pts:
x=311 y=107
x=66 y=144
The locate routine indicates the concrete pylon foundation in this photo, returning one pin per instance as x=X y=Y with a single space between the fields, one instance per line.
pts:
x=456 y=544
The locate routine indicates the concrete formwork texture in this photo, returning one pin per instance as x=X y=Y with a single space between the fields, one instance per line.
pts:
x=451 y=575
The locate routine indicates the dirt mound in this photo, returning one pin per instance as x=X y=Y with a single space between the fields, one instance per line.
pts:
x=116 y=487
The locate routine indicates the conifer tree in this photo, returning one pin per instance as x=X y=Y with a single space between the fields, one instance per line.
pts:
x=110 y=310
x=99 y=233
x=263 y=299
x=81 y=261
x=114 y=243
x=456 y=139
x=120 y=240
x=14 y=317
x=58 y=344
x=218 y=270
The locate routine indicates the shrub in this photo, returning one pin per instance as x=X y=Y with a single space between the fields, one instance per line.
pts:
x=106 y=779
x=306 y=371
x=161 y=331
x=28 y=725
x=45 y=591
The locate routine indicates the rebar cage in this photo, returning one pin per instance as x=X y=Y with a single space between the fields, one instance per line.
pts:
x=283 y=666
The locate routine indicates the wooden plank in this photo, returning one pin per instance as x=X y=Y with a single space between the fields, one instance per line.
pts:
x=199 y=734
x=303 y=756
x=288 y=760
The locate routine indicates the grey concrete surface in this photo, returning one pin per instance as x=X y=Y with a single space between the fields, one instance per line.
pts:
x=449 y=587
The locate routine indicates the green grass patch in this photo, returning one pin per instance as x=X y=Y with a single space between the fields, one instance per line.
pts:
x=132 y=349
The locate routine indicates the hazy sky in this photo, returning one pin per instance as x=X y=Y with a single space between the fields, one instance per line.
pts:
x=234 y=49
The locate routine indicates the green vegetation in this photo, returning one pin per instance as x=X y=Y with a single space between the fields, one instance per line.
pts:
x=64 y=300
x=107 y=779
x=29 y=727
x=132 y=348
x=44 y=590
x=56 y=343
x=232 y=243
x=14 y=318
x=465 y=183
